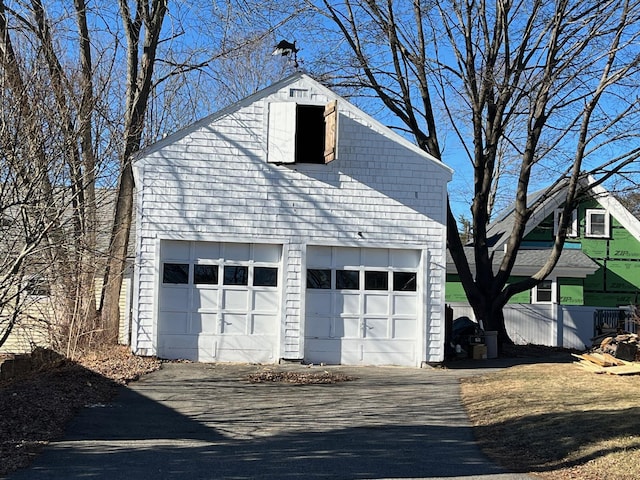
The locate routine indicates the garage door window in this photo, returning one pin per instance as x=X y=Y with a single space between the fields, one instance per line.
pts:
x=236 y=275
x=265 y=277
x=404 y=281
x=347 y=279
x=175 y=273
x=376 y=280
x=205 y=274
x=319 y=279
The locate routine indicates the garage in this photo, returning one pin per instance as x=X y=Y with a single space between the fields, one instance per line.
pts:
x=219 y=301
x=361 y=306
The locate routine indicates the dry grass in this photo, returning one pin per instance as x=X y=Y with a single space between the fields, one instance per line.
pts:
x=558 y=421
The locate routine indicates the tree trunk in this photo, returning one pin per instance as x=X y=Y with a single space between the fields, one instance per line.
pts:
x=139 y=87
x=490 y=314
x=117 y=261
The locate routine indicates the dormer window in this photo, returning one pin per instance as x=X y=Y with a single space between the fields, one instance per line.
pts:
x=597 y=223
x=302 y=133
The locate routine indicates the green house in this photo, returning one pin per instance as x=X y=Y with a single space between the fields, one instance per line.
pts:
x=600 y=262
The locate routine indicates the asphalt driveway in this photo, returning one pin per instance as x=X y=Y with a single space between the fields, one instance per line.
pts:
x=205 y=421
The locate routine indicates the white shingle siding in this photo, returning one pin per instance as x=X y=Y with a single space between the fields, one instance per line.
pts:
x=213 y=182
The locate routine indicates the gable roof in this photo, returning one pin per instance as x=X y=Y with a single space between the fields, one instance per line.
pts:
x=572 y=262
x=296 y=78
x=499 y=230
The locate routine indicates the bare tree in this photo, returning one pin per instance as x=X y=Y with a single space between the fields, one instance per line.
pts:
x=90 y=84
x=551 y=83
x=142 y=27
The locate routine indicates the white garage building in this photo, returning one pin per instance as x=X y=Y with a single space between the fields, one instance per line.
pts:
x=290 y=226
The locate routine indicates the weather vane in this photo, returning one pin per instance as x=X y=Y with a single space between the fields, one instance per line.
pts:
x=285 y=49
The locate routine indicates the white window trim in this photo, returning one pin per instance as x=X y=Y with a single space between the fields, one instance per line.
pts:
x=572 y=230
x=599 y=211
x=554 y=299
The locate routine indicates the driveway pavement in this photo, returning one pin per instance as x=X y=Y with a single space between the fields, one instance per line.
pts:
x=205 y=421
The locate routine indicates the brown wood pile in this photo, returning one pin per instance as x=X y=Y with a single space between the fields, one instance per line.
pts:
x=613 y=353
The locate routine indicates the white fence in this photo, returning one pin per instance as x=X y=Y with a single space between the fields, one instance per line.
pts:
x=552 y=325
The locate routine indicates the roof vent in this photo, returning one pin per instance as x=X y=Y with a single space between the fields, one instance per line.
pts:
x=298 y=93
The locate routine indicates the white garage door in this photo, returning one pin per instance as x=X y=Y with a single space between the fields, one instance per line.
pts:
x=219 y=301
x=362 y=306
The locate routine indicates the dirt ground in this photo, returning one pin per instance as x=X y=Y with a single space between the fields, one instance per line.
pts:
x=37 y=406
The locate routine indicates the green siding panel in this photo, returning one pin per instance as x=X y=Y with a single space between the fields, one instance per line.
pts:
x=595 y=281
x=622 y=276
x=600 y=299
x=623 y=245
x=453 y=290
x=522 y=297
x=594 y=247
x=571 y=291
x=455 y=293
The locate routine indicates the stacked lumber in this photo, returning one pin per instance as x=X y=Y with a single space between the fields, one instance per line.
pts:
x=624 y=346
x=597 y=362
x=614 y=352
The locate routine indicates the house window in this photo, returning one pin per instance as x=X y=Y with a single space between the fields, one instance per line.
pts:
x=300 y=133
x=572 y=229
x=543 y=292
x=597 y=223
x=37 y=287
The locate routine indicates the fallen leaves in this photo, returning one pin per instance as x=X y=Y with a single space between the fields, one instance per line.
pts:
x=298 y=378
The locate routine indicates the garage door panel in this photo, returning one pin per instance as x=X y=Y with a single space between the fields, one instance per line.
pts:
x=204 y=323
x=405 y=258
x=398 y=352
x=376 y=257
x=376 y=304
x=239 y=252
x=174 y=323
x=206 y=251
x=176 y=250
x=347 y=257
x=324 y=350
x=205 y=299
x=404 y=304
x=376 y=328
x=174 y=299
x=319 y=256
x=404 y=328
x=264 y=302
x=318 y=327
x=235 y=300
x=179 y=343
x=319 y=303
x=346 y=327
x=348 y=303
x=267 y=253
x=234 y=324
x=264 y=324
